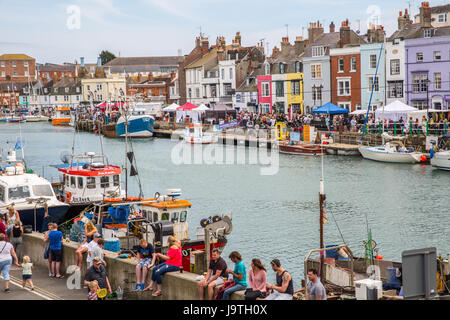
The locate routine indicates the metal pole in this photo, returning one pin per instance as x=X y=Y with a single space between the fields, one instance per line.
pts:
x=207 y=247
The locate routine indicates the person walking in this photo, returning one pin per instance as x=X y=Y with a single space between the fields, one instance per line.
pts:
x=173 y=263
x=216 y=275
x=16 y=237
x=239 y=275
x=6 y=251
x=315 y=289
x=27 y=272
x=284 y=287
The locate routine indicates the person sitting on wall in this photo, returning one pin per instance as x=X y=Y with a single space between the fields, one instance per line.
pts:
x=146 y=260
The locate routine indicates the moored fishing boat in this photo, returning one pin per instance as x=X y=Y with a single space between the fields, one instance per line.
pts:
x=140 y=124
x=88 y=179
x=29 y=194
x=61 y=116
x=124 y=223
x=441 y=158
x=194 y=134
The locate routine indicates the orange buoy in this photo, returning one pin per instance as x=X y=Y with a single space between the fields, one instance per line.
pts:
x=423 y=158
x=379 y=257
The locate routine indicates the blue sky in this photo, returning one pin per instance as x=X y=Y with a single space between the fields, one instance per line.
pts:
x=160 y=27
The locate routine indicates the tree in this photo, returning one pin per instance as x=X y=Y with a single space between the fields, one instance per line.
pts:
x=106 y=56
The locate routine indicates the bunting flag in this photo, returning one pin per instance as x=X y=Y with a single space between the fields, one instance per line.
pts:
x=130 y=156
x=133 y=171
x=19 y=144
x=324 y=218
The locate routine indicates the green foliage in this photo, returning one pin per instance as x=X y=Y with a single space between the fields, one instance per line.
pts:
x=106 y=56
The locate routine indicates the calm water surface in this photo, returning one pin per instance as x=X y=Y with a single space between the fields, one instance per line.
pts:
x=407 y=206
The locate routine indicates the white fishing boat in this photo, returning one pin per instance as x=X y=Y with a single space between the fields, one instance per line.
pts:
x=194 y=134
x=394 y=152
x=29 y=193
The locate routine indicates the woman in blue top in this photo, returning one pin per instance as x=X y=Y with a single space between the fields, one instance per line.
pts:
x=239 y=275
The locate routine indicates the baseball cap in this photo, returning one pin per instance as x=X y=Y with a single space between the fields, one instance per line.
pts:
x=97 y=235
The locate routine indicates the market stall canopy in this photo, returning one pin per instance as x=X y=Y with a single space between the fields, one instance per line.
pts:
x=173 y=107
x=330 y=108
x=358 y=112
x=221 y=107
x=394 y=111
x=202 y=107
x=187 y=107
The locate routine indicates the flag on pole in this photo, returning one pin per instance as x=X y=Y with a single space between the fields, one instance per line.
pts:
x=18 y=145
x=325 y=218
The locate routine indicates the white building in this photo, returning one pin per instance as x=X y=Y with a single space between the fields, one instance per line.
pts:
x=111 y=88
x=395 y=70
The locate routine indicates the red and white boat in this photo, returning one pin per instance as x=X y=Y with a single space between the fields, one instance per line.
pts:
x=89 y=179
x=301 y=149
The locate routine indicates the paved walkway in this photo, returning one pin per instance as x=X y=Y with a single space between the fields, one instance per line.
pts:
x=45 y=287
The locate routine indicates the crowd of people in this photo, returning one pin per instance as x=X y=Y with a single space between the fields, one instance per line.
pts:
x=219 y=275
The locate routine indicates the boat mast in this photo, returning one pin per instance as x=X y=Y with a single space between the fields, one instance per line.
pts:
x=322 y=198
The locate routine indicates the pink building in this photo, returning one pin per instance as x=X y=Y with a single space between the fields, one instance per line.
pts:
x=265 y=93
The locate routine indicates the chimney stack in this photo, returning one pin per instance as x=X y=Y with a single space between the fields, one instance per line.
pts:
x=425 y=15
x=275 y=52
x=205 y=46
x=332 y=27
x=197 y=43
x=238 y=38
x=345 y=34
x=299 y=45
x=314 y=31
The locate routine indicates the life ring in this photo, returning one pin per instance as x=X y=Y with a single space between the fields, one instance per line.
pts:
x=68 y=197
x=113 y=200
x=134 y=199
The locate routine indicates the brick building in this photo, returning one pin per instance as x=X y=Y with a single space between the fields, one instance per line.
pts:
x=17 y=68
x=346 y=77
x=56 y=72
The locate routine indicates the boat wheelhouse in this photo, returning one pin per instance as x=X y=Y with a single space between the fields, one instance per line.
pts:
x=29 y=193
x=90 y=179
x=61 y=116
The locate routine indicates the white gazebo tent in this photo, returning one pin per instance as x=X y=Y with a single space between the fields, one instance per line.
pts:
x=394 y=111
x=202 y=108
x=172 y=108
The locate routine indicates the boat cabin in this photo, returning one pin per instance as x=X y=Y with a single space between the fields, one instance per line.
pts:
x=89 y=179
x=166 y=208
x=61 y=116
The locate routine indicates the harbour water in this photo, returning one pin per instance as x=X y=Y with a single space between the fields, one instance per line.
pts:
x=405 y=206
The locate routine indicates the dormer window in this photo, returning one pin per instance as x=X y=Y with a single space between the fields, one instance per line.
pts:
x=298 y=66
x=442 y=18
x=267 y=69
x=427 y=33
x=282 y=68
x=318 y=51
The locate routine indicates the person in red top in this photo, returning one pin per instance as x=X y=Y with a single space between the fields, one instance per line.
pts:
x=173 y=263
x=3 y=226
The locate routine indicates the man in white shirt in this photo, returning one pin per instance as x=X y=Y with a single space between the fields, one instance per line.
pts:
x=91 y=246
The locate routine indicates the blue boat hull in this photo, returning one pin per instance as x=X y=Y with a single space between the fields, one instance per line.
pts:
x=57 y=214
x=139 y=127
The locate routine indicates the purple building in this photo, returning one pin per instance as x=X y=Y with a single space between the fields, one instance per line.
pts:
x=428 y=70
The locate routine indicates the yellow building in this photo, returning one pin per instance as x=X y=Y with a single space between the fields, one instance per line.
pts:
x=295 y=92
